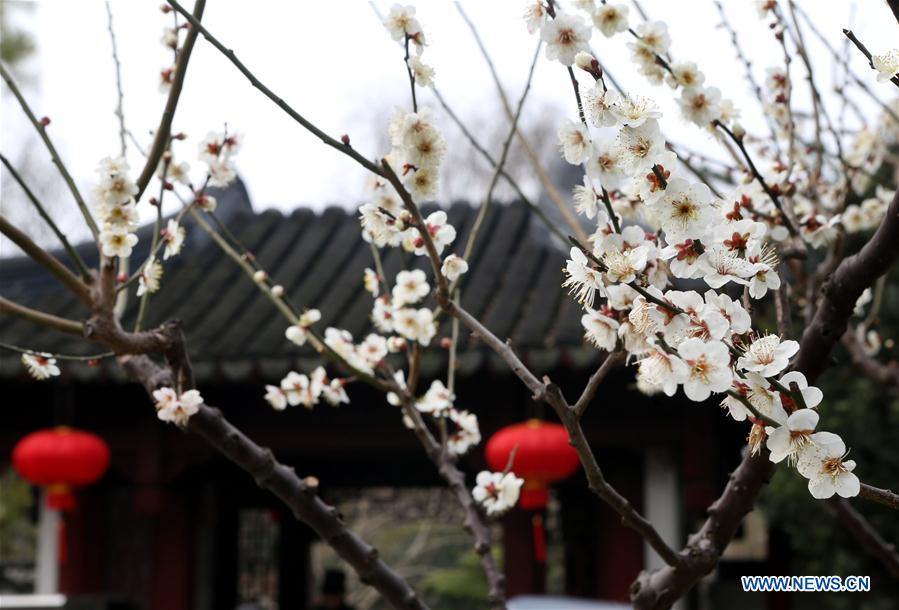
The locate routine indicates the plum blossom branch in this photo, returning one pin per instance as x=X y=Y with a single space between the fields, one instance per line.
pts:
x=296 y=116
x=164 y=130
x=542 y=175
x=548 y=392
x=299 y=494
x=508 y=178
x=864 y=50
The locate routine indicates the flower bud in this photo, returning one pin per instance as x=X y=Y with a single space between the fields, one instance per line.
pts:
x=45 y=120
x=260 y=276
x=278 y=291
x=586 y=62
x=738 y=131
x=345 y=139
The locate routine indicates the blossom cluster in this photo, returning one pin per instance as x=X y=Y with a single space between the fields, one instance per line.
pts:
x=629 y=277
x=115 y=208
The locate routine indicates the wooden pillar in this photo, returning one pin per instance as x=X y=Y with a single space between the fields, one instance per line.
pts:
x=524 y=573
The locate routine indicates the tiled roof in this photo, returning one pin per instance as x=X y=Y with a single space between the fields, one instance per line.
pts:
x=513 y=285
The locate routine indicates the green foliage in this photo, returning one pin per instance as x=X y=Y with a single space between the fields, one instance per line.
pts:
x=17 y=532
x=15 y=44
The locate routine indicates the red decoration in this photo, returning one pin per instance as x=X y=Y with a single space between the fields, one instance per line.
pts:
x=544 y=456
x=59 y=459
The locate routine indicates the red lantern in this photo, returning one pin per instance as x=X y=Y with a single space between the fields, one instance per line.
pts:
x=544 y=456
x=60 y=459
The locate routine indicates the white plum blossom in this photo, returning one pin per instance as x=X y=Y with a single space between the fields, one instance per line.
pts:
x=659 y=370
x=886 y=64
x=700 y=105
x=173 y=235
x=496 y=492
x=150 y=276
x=299 y=333
x=634 y=110
x=442 y=234
x=684 y=211
x=466 y=435
x=565 y=36
x=582 y=279
x=40 y=366
x=640 y=147
x=298 y=390
x=410 y=287
x=415 y=324
x=276 y=397
x=117 y=241
x=454 y=267
x=600 y=329
x=768 y=355
x=599 y=104
x=610 y=19
x=535 y=15
x=708 y=368
x=574 y=142
x=826 y=468
x=423 y=73
x=402 y=23
x=811 y=395
x=437 y=401
x=793 y=438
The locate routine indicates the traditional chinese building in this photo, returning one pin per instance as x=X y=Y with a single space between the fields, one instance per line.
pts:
x=163 y=529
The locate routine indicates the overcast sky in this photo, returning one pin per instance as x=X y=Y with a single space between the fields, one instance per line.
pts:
x=336 y=65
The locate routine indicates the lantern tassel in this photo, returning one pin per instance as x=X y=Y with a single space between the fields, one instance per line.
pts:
x=539 y=538
x=63 y=547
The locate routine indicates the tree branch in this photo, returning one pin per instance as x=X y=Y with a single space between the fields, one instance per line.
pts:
x=38 y=317
x=659 y=589
x=866 y=535
x=298 y=494
x=161 y=137
x=73 y=254
x=321 y=135
x=550 y=393
x=40 y=127
x=611 y=361
x=881 y=496
x=50 y=262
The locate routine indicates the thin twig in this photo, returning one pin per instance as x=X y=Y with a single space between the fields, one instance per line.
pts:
x=40 y=127
x=296 y=116
x=119 y=111
x=50 y=262
x=611 y=361
x=73 y=254
x=39 y=317
x=161 y=137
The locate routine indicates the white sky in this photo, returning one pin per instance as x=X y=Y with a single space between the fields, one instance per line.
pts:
x=336 y=65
